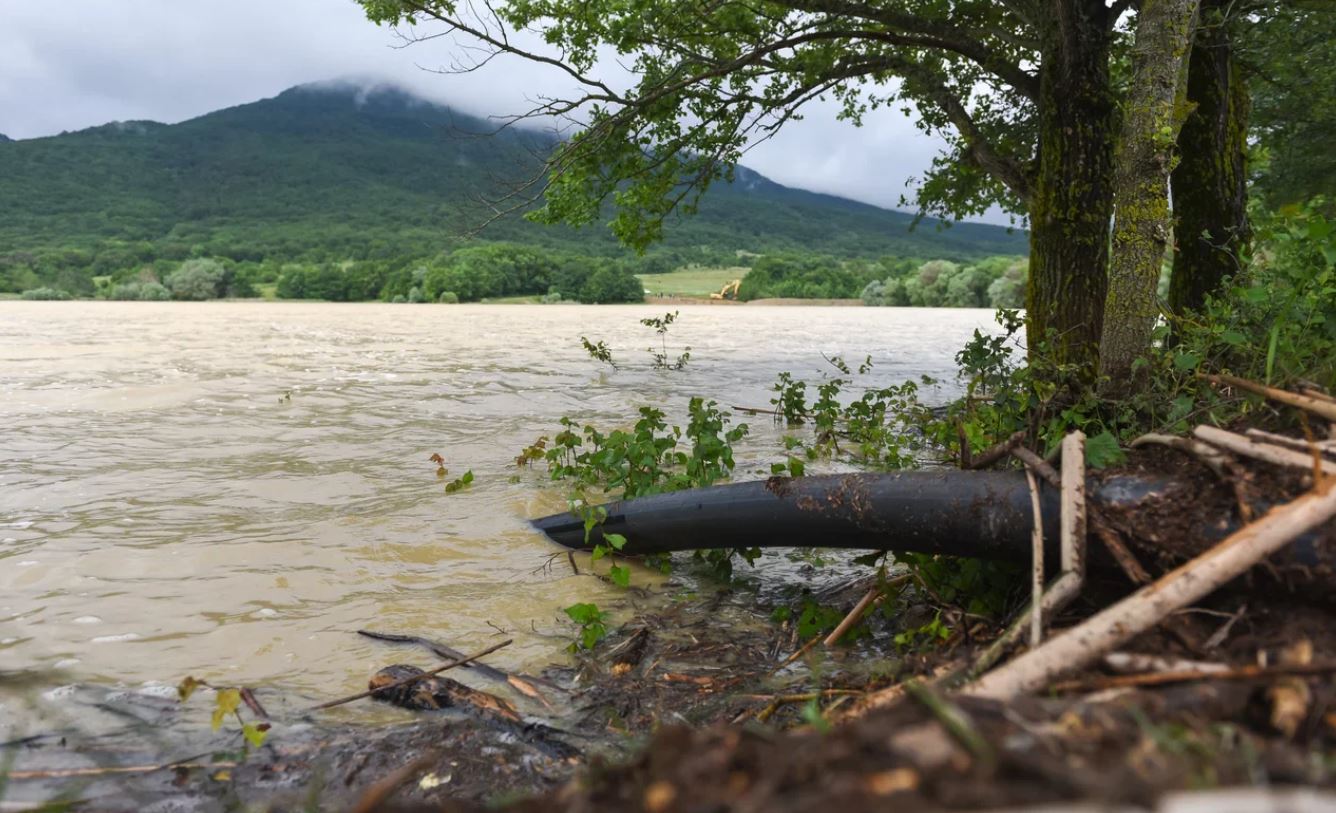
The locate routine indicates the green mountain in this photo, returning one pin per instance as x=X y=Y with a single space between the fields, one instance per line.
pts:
x=334 y=171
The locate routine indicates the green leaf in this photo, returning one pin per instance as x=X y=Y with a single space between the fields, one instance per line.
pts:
x=1102 y=450
x=621 y=575
x=229 y=700
x=255 y=734
x=1186 y=361
x=616 y=540
x=584 y=613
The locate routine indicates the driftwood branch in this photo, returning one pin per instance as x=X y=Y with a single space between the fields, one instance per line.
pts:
x=1036 y=564
x=1091 y=640
x=1324 y=407
x=1264 y=451
x=410 y=680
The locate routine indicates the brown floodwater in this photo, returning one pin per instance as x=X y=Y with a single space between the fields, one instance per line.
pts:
x=229 y=490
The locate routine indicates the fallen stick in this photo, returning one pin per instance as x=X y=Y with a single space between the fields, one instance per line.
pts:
x=410 y=680
x=860 y=609
x=995 y=453
x=852 y=618
x=524 y=684
x=1317 y=406
x=1326 y=448
x=1265 y=452
x=1036 y=564
x=1248 y=672
x=1052 y=599
x=1212 y=457
x=1318 y=394
x=1137 y=663
x=1114 y=626
x=1126 y=560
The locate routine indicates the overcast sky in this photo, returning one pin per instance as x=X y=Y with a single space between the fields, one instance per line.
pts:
x=79 y=63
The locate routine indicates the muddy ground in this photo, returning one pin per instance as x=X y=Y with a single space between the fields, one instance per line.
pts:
x=699 y=705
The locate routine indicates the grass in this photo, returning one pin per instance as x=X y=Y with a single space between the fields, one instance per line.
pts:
x=691 y=281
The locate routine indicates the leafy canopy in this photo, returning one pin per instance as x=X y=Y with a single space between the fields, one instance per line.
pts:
x=707 y=79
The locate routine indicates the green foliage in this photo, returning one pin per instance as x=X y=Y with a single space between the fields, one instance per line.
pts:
x=997 y=282
x=593 y=624
x=647 y=459
x=977 y=586
x=924 y=636
x=227 y=703
x=368 y=183
x=198 y=280
x=47 y=294
x=146 y=291
x=805 y=276
x=598 y=351
x=883 y=428
x=459 y=484
x=1290 y=53
x=660 y=356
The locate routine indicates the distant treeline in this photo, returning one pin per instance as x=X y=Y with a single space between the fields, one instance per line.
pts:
x=995 y=282
x=467 y=274
x=499 y=270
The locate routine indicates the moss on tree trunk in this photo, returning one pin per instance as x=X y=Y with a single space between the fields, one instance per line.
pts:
x=1209 y=184
x=1142 y=163
x=1072 y=195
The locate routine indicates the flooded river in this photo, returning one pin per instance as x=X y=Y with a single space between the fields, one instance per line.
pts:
x=229 y=490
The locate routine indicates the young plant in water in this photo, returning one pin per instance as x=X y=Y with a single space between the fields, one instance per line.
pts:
x=660 y=356
x=598 y=351
x=227 y=703
x=460 y=483
x=593 y=625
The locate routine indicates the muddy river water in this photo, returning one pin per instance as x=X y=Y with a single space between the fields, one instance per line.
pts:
x=229 y=490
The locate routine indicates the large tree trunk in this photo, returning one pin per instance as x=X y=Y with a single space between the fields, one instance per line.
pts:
x=1142 y=163
x=1210 y=190
x=1072 y=195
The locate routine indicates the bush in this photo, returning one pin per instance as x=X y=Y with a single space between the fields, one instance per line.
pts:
x=448 y=298
x=611 y=284
x=805 y=277
x=47 y=294
x=198 y=280
x=137 y=291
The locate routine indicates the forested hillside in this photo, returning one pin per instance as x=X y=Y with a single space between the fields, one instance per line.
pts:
x=333 y=173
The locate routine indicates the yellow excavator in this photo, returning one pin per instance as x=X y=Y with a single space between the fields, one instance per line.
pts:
x=729 y=291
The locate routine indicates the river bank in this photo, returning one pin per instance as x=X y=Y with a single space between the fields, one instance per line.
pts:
x=709 y=702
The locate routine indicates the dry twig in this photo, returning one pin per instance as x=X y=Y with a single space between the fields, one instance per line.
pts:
x=1083 y=644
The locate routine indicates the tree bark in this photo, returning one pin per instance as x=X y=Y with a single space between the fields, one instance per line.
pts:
x=1210 y=192
x=1072 y=198
x=1142 y=163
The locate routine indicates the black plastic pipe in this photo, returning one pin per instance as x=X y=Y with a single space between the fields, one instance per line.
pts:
x=980 y=514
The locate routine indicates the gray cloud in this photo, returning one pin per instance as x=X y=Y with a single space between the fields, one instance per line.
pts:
x=68 y=66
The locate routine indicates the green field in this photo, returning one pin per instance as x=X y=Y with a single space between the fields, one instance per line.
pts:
x=691 y=281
